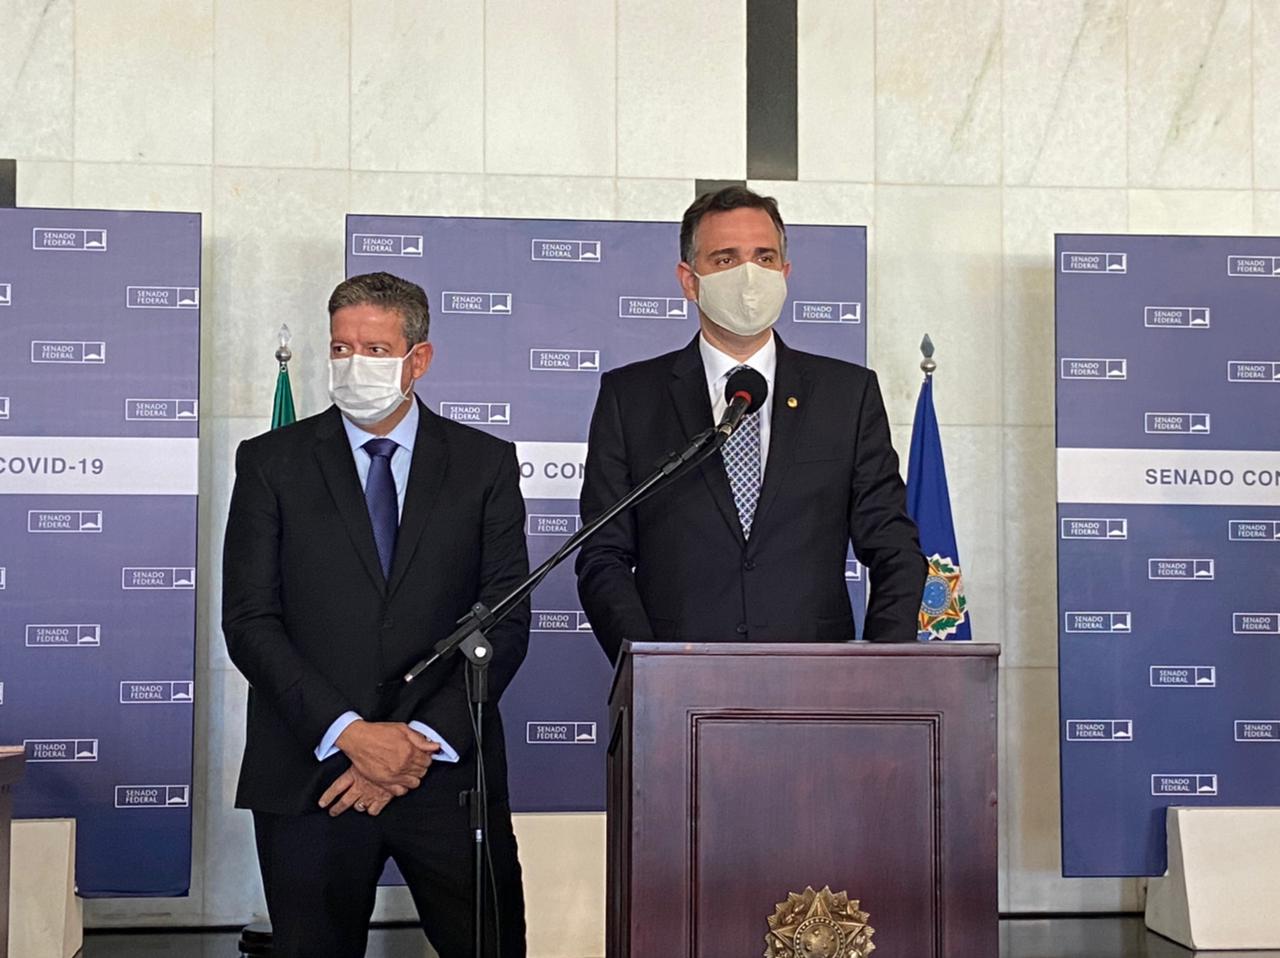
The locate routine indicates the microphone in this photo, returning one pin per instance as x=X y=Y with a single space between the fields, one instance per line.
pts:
x=745 y=392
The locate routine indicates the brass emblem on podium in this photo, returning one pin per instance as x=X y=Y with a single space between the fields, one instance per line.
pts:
x=819 y=925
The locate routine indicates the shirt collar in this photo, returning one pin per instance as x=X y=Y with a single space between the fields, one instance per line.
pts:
x=403 y=435
x=718 y=365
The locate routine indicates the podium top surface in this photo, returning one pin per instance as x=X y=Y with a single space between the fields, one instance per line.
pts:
x=637 y=649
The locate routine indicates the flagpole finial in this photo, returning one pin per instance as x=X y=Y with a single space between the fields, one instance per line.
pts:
x=926 y=349
x=284 y=353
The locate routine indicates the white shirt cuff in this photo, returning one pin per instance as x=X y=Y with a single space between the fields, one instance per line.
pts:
x=446 y=753
x=329 y=744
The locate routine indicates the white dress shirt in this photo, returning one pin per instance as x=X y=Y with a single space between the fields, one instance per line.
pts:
x=403 y=436
x=718 y=365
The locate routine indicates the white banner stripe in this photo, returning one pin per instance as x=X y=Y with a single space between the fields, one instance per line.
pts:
x=1169 y=477
x=98 y=466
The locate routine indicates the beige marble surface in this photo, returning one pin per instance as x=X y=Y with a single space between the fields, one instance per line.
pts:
x=1190 y=103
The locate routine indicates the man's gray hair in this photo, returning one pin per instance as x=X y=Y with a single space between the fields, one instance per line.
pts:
x=390 y=292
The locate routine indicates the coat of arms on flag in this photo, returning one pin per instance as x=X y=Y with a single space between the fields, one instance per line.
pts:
x=943 y=610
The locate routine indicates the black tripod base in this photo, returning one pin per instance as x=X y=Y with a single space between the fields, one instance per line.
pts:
x=255 y=940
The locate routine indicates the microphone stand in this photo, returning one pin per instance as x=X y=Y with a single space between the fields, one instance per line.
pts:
x=471 y=636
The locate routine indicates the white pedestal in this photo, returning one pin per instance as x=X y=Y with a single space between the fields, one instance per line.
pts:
x=1222 y=886
x=46 y=919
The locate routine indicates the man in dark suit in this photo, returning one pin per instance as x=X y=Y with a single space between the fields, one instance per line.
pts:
x=356 y=539
x=751 y=545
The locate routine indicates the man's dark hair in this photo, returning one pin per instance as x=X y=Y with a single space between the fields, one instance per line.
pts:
x=723 y=200
x=390 y=292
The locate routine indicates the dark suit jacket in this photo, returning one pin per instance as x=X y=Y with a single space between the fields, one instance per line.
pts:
x=313 y=625
x=831 y=477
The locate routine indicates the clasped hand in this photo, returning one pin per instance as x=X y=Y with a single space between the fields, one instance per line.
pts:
x=387 y=760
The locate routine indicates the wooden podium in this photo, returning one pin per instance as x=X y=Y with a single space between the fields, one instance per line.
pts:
x=741 y=772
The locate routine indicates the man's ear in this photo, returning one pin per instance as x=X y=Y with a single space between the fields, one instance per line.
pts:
x=688 y=281
x=420 y=361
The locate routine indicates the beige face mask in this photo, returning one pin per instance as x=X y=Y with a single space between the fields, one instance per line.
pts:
x=745 y=300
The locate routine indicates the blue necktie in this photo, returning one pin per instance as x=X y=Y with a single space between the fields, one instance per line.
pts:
x=742 y=463
x=380 y=497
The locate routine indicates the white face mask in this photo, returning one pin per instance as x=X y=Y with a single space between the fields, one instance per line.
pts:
x=745 y=300
x=367 y=388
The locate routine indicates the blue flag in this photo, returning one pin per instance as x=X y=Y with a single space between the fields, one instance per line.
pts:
x=942 y=610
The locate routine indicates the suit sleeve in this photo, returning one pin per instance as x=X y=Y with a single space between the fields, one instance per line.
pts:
x=885 y=540
x=504 y=564
x=606 y=580
x=252 y=614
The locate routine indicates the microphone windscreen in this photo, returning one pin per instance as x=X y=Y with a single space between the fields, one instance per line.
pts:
x=749 y=381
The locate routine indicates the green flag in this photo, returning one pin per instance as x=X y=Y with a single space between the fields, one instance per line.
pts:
x=282 y=410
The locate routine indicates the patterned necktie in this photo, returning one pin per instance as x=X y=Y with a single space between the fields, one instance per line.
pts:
x=380 y=497
x=742 y=463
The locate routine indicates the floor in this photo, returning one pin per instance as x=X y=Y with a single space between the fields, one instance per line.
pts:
x=1019 y=938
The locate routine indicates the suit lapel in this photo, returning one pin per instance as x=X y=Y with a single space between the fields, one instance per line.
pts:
x=426 y=477
x=333 y=453
x=790 y=381
x=693 y=406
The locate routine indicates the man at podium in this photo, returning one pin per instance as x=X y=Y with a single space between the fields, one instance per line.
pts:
x=751 y=545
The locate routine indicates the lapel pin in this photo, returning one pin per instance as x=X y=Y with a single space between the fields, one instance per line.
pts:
x=792 y=402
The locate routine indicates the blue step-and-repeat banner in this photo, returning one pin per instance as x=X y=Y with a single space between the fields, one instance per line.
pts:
x=525 y=314
x=99 y=382
x=1168 y=389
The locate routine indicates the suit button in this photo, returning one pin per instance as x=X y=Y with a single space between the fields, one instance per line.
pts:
x=387 y=623
x=742 y=628
x=749 y=564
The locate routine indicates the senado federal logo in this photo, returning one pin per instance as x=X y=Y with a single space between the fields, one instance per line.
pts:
x=1198 y=570
x=1184 y=783
x=386 y=244
x=1099 y=730
x=653 y=307
x=39 y=636
x=553 y=524
x=1253 y=266
x=157 y=692
x=847 y=313
x=478 y=413
x=1257 y=730
x=161 y=410
x=153 y=796
x=1095 y=369
x=560 y=733
x=157 y=577
x=162 y=297
x=565 y=251
x=1253 y=530
x=1107 y=530
x=1112 y=263
x=1177 y=423
x=1255 y=623
x=61 y=749
x=564 y=360
x=64 y=521
x=90 y=353
x=476 y=303
x=1102 y=622
x=560 y=620
x=1176 y=317
x=74 y=240
x=1183 y=677
x=1253 y=371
